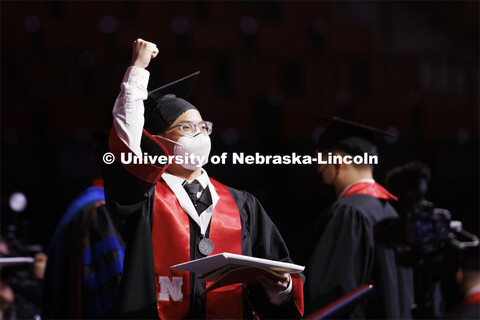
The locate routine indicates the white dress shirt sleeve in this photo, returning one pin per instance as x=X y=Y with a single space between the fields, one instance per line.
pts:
x=128 y=109
x=281 y=297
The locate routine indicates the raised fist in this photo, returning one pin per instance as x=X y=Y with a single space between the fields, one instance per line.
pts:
x=143 y=52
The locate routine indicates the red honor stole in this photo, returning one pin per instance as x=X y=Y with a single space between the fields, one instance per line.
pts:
x=371 y=189
x=171 y=246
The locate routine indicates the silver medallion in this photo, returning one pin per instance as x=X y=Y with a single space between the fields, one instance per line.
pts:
x=205 y=246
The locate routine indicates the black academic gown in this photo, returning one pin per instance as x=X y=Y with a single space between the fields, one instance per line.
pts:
x=346 y=256
x=132 y=199
x=85 y=261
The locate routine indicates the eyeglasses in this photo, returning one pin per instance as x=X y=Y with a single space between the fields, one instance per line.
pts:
x=189 y=128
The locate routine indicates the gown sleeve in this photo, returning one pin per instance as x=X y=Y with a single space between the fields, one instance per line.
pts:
x=342 y=259
x=266 y=242
x=61 y=275
x=129 y=195
x=130 y=200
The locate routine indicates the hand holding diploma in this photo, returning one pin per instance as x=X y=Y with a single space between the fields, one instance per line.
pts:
x=274 y=282
x=227 y=268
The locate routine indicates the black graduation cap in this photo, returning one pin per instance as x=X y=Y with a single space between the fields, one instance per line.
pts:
x=165 y=104
x=350 y=137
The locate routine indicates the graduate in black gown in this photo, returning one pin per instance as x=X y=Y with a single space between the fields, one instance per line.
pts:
x=346 y=254
x=175 y=213
x=85 y=255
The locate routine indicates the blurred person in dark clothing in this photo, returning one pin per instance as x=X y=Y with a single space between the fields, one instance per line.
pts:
x=409 y=183
x=6 y=299
x=346 y=254
x=21 y=283
x=85 y=254
x=6 y=293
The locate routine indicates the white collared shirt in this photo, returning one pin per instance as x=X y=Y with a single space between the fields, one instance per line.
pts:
x=129 y=108
x=202 y=179
x=176 y=184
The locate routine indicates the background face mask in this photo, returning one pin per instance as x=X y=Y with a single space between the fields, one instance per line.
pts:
x=199 y=145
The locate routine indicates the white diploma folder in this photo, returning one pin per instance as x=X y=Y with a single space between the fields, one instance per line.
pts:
x=228 y=268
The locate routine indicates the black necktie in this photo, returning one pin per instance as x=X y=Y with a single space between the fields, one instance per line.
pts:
x=192 y=189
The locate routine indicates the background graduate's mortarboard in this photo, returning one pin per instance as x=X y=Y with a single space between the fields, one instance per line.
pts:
x=350 y=137
x=165 y=104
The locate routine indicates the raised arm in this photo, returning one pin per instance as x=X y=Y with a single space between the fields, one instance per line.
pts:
x=128 y=187
x=129 y=109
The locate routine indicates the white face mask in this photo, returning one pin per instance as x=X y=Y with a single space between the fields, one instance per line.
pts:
x=199 y=145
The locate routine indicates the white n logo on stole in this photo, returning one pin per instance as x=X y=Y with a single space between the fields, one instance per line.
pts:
x=170 y=289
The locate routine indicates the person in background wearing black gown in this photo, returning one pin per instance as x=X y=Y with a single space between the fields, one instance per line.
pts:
x=176 y=213
x=346 y=254
x=85 y=253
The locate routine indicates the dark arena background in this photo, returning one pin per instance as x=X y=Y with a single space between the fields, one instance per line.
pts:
x=267 y=70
